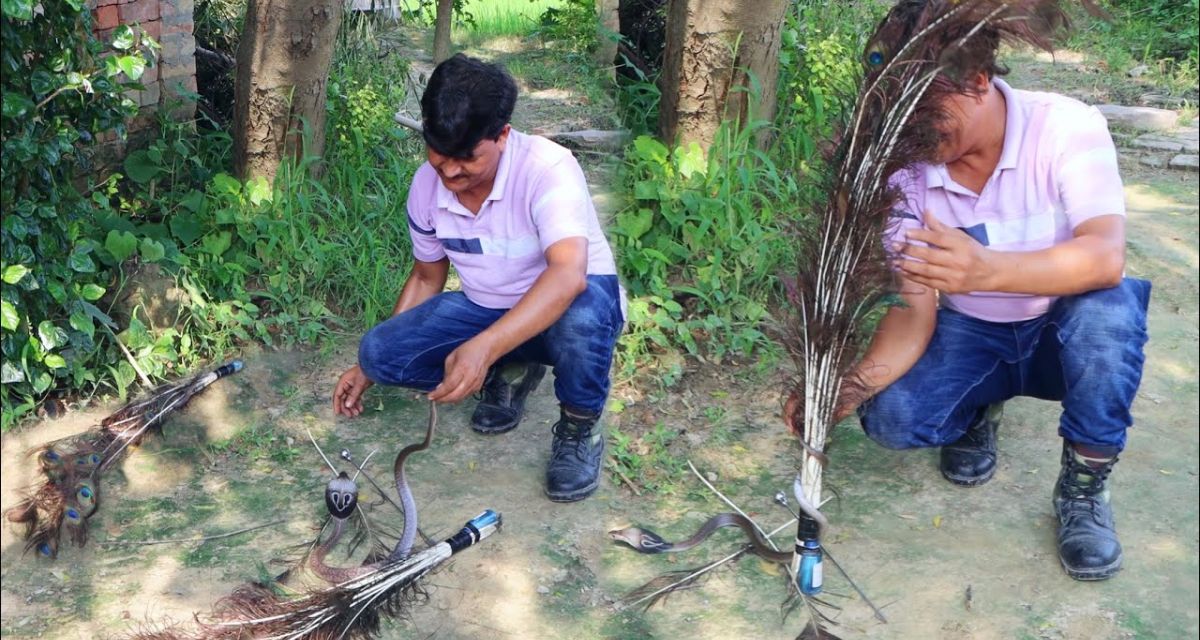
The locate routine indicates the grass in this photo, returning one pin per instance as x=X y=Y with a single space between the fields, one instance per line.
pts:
x=497 y=18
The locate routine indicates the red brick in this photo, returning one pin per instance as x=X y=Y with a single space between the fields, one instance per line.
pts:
x=105 y=18
x=139 y=11
x=153 y=29
x=105 y=3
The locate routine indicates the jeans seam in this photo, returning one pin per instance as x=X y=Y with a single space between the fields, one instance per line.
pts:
x=418 y=355
x=958 y=403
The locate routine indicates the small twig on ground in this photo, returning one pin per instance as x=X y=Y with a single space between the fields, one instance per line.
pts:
x=129 y=356
x=732 y=505
x=878 y=613
x=632 y=487
x=408 y=122
x=218 y=536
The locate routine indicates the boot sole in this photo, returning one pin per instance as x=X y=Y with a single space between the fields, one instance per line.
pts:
x=964 y=481
x=1093 y=575
x=574 y=496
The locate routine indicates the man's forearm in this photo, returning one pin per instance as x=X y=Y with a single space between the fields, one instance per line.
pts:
x=899 y=341
x=545 y=302
x=1082 y=264
x=418 y=289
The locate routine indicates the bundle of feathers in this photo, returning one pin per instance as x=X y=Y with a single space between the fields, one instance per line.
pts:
x=68 y=493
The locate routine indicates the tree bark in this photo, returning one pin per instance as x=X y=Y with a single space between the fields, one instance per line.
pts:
x=713 y=49
x=441 y=30
x=609 y=25
x=282 y=69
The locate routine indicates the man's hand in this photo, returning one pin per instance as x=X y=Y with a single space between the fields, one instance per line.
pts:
x=954 y=262
x=466 y=368
x=347 y=395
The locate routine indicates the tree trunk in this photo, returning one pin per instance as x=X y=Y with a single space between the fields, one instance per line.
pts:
x=711 y=45
x=606 y=31
x=441 y=30
x=282 y=69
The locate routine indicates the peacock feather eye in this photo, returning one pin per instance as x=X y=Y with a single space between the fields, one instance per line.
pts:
x=875 y=58
x=73 y=516
x=95 y=458
x=45 y=550
x=51 y=455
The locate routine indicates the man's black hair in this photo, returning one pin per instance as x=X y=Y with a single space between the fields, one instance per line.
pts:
x=466 y=101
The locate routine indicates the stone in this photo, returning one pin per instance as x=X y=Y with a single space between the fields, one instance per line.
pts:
x=1139 y=118
x=1138 y=71
x=591 y=139
x=1157 y=142
x=1186 y=161
x=152 y=29
x=1157 y=162
x=150 y=94
x=178 y=47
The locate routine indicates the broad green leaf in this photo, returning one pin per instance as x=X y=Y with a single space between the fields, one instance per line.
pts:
x=15 y=105
x=41 y=382
x=122 y=38
x=259 y=190
x=17 y=9
x=121 y=244
x=9 y=319
x=14 y=272
x=637 y=224
x=151 y=251
x=55 y=361
x=217 y=243
x=140 y=168
x=225 y=183
x=645 y=190
x=95 y=312
x=81 y=262
x=132 y=66
x=51 y=335
x=9 y=373
x=42 y=82
x=92 y=291
x=83 y=323
x=186 y=227
x=193 y=201
x=651 y=149
x=691 y=160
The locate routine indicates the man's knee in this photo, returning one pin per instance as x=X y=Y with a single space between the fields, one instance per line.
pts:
x=892 y=419
x=374 y=354
x=1116 y=313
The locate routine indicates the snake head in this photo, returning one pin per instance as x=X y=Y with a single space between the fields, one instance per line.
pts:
x=640 y=539
x=341 y=496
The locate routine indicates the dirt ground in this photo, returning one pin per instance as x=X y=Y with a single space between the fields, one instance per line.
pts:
x=943 y=561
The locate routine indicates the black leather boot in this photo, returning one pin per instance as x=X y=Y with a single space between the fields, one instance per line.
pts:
x=1087 y=536
x=504 y=392
x=971 y=461
x=578 y=448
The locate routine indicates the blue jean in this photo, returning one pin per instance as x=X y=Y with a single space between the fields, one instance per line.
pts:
x=409 y=350
x=1086 y=352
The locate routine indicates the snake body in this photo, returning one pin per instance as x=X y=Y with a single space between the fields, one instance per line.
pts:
x=646 y=541
x=404 y=545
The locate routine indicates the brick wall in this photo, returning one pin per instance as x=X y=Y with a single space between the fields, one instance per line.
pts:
x=170 y=23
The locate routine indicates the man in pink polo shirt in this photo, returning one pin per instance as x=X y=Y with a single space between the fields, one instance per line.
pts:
x=1020 y=236
x=512 y=214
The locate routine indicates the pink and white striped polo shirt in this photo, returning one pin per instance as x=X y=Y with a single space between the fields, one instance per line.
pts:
x=1057 y=169
x=540 y=196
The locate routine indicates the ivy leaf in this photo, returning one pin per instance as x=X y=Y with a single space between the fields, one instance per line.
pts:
x=140 y=168
x=92 y=291
x=122 y=38
x=9 y=319
x=41 y=82
x=121 y=244
x=51 y=335
x=15 y=105
x=151 y=250
x=42 y=382
x=81 y=262
x=83 y=323
x=10 y=374
x=13 y=273
x=17 y=9
x=132 y=66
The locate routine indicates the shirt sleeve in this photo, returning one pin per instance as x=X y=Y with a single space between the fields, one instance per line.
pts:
x=561 y=205
x=1085 y=168
x=421 y=229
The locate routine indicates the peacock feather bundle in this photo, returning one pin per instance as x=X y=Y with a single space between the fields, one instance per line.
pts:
x=921 y=53
x=68 y=493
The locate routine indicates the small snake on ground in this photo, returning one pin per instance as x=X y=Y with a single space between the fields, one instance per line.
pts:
x=341 y=497
x=646 y=541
